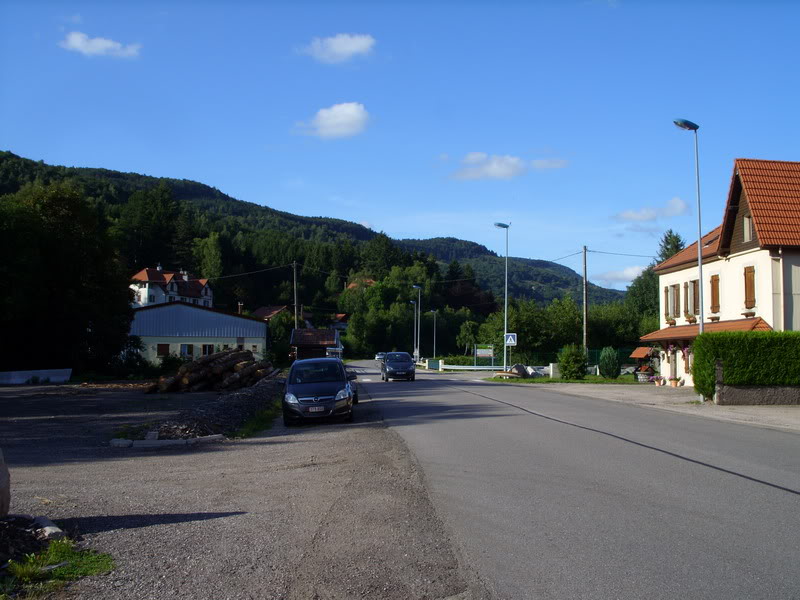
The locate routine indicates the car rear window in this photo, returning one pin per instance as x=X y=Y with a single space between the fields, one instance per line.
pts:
x=398 y=357
x=316 y=373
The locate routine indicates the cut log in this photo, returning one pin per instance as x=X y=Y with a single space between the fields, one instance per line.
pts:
x=151 y=389
x=226 y=363
x=244 y=373
x=200 y=387
x=169 y=384
x=239 y=366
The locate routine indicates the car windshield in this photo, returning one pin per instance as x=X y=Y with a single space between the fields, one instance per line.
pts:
x=316 y=373
x=398 y=357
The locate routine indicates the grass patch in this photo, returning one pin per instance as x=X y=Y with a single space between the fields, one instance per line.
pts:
x=39 y=574
x=624 y=380
x=133 y=432
x=261 y=421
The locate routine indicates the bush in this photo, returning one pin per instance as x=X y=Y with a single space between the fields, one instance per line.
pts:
x=748 y=358
x=572 y=362
x=609 y=363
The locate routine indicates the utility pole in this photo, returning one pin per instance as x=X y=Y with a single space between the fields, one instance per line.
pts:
x=585 y=306
x=294 y=269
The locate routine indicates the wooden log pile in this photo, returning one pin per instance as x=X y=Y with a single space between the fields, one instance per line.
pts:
x=222 y=371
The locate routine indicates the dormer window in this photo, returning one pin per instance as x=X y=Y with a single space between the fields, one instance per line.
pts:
x=747 y=227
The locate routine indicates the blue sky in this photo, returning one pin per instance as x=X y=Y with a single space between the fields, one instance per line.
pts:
x=419 y=119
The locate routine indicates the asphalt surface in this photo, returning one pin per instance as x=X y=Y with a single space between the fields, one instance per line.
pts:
x=556 y=496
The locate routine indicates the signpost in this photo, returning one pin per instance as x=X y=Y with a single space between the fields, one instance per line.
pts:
x=511 y=339
x=484 y=351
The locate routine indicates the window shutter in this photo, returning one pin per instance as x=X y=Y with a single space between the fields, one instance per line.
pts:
x=715 y=293
x=677 y=291
x=666 y=302
x=749 y=287
x=686 y=295
x=696 y=296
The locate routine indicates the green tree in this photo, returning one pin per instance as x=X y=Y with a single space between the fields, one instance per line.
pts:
x=146 y=226
x=609 y=363
x=642 y=295
x=208 y=255
x=69 y=305
x=671 y=243
x=468 y=335
x=572 y=362
x=563 y=323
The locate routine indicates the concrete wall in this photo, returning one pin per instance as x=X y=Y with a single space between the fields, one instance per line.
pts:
x=151 y=345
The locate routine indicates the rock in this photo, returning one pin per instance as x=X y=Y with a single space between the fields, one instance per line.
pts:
x=151 y=435
x=5 y=487
x=519 y=369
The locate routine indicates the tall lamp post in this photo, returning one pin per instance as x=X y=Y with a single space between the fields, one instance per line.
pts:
x=419 y=321
x=689 y=126
x=505 y=315
x=434 y=332
x=414 y=330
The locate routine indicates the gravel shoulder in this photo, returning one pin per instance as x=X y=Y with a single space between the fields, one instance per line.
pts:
x=322 y=511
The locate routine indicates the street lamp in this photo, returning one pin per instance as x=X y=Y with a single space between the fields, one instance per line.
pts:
x=419 y=321
x=434 y=332
x=689 y=126
x=505 y=316
x=414 y=330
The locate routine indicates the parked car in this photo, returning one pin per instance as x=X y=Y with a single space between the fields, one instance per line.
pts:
x=380 y=356
x=317 y=388
x=398 y=365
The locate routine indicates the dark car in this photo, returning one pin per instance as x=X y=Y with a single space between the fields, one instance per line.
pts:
x=398 y=365
x=380 y=356
x=317 y=388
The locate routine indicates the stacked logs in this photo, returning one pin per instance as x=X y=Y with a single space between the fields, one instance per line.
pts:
x=221 y=371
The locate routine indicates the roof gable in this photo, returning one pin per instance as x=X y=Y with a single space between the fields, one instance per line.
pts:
x=772 y=188
x=688 y=255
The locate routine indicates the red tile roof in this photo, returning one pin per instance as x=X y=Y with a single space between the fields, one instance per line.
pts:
x=365 y=283
x=689 y=332
x=326 y=338
x=689 y=254
x=267 y=312
x=190 y=287
x=772 y=188
x=641 y=352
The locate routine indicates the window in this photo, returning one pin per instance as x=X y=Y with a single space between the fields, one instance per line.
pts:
x=187 y=350
x=205 y=303
x=255 y=347
x=208 y=349
x=673 y=298
x=194 y=300
x=162 y=350
x=715 y=293
x=747 y=224
x=151 y=298
x=749 y=287
x=172 y=298
x=691 y=297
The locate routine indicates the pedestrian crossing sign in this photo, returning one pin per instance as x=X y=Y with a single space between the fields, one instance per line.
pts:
x=511 y=339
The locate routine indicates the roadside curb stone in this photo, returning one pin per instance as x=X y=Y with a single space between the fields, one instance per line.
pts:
x=51 y=530
x=126 y=443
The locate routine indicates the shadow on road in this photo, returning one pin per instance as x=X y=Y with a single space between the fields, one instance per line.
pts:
x=85 y=525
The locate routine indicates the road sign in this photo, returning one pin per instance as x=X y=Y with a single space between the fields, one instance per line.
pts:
x=511 y=339
x=484 y=350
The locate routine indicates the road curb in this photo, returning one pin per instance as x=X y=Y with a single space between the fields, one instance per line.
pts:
x=126 y=443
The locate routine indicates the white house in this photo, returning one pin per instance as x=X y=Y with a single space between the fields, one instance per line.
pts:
x=191 y=331
x=751 y=266
x=157 y=286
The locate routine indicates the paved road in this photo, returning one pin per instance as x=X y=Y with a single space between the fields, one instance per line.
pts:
x=555 y=496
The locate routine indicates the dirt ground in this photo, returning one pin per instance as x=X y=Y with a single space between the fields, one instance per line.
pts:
x=322 y=511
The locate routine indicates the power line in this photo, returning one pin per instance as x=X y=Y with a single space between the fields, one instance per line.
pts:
x=622 y=254
x=567 y=256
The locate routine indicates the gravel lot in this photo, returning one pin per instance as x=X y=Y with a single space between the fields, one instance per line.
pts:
x=321 y=511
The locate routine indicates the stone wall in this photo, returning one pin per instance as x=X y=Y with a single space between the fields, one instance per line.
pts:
x=749 y=395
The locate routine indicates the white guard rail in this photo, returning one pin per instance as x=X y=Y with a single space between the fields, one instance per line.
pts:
x=444 y=367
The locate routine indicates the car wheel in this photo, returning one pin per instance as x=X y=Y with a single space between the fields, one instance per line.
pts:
x=355 y=399
x=350 y=417
x=413 y=377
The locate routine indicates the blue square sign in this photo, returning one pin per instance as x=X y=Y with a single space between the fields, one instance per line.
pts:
x=511 y=339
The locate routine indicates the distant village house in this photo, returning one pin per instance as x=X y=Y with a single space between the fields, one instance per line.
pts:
x=157 y=286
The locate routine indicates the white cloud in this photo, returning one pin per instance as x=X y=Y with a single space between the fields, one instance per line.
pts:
x=549 y=163
x=625 y=275
x=674 y=207
x=340 y=47
x=340 y=120
x=484 y=166
x=80 y=42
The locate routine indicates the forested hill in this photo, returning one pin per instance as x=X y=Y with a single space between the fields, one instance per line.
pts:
x=541 y=280
x=115 y=187
x=110 y=191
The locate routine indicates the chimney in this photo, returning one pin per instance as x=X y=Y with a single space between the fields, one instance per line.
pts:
x=158 y=268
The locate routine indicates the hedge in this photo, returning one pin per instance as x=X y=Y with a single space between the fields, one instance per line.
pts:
x=765 y=358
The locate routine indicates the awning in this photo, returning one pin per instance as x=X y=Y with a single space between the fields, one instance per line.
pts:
x=689 y=332
x=641 y=352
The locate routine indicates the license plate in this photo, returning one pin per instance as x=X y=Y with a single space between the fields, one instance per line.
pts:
x=316 y=409
x=399 y=372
